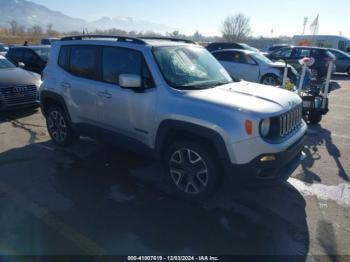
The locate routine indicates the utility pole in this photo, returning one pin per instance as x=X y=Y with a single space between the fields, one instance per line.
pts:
x=305 y=23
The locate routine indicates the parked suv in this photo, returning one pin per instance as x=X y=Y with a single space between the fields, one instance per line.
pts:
x=294 y=53
x=34 y=58
x=173 y=101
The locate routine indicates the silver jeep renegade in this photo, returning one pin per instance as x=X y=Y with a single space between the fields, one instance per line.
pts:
x=172 y=100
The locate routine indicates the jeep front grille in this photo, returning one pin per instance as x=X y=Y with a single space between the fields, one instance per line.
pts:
x=290 y=121
x=19 y=94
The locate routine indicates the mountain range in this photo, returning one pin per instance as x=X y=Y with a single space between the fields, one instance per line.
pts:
x=28 y=14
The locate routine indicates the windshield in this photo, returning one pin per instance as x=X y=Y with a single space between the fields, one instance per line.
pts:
x=190 y=67
x=4 y=63
x=261 y=58
x=43 y=52
x=339 y=53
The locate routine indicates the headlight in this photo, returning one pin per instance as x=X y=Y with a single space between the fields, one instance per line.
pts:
x=265 y=127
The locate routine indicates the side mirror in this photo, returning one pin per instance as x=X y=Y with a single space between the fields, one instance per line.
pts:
x=21 y=64
x=131 y=81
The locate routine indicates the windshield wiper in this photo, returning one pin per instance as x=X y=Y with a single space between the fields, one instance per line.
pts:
x=203 y=86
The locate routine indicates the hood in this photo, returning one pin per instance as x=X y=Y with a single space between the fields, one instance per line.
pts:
x=279 y=64
x=18 y=76
x=245 y=96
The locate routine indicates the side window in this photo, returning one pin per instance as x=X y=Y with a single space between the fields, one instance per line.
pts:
x=342 y=45
x=284 y=52
x=29 y=55
x=63 y=58
x=84 y=61
x=117 y=61
x=338 y=55
x=250 y=60
x=301 y=52
x=223 y=56
x=17 y=53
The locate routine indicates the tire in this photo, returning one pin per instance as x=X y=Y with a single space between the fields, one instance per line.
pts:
x=348 y=71
x=314 y=118
x=271 y=80
x=191 y=170
x=58 y=127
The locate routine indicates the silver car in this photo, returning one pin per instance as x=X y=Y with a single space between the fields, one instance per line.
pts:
x=171 y=100
x=253 y=67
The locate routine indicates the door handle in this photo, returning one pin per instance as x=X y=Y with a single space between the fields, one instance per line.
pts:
x=65 y=85
x=104 y=94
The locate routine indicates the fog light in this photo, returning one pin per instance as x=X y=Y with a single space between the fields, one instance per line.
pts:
x=267 y=158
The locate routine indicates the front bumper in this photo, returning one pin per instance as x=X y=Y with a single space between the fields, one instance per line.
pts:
x=31 y=104
x=276 y=170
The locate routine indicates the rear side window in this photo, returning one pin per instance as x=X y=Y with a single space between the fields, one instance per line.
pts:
x=84 y=61
x=63 y=58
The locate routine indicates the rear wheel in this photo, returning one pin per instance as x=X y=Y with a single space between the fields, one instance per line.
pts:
x=58 y=126
x=192 y=171
x=271 y=80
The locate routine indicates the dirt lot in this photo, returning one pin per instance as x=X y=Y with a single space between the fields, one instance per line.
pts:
x=94 y=199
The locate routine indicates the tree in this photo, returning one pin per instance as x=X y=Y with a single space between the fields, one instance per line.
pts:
x=13 y=27
x=236 y=28
x=51 y=32
x=175 y=34
x=35 y=30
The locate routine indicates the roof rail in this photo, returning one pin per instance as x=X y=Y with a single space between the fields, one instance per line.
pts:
x=168 y=39
x=117 y=37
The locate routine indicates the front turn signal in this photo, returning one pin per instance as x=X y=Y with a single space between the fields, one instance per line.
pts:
x=248 y=127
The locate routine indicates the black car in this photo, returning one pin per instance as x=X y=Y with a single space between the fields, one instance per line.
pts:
x=293 y=54
x=342 y=62
x=34 y=58
x=273 y=48
x=227 y=45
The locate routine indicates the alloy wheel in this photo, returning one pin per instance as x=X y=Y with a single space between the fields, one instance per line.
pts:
x=270 y=80
x=57 y=126
x=188 y=171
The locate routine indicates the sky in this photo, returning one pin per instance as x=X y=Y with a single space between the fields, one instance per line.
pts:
x=206 y=16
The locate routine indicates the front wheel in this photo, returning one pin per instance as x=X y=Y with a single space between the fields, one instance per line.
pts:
x=192 y=171
x=59 y=129
x=270 y=80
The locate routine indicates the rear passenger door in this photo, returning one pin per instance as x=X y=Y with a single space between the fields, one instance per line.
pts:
x=78 y=80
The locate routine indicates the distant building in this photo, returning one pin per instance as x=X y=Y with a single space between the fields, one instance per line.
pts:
x=328 y=41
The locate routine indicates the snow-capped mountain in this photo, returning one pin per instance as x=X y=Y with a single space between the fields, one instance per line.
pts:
x=27 y=13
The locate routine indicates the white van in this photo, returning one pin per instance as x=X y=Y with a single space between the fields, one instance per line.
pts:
x=328 y=41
